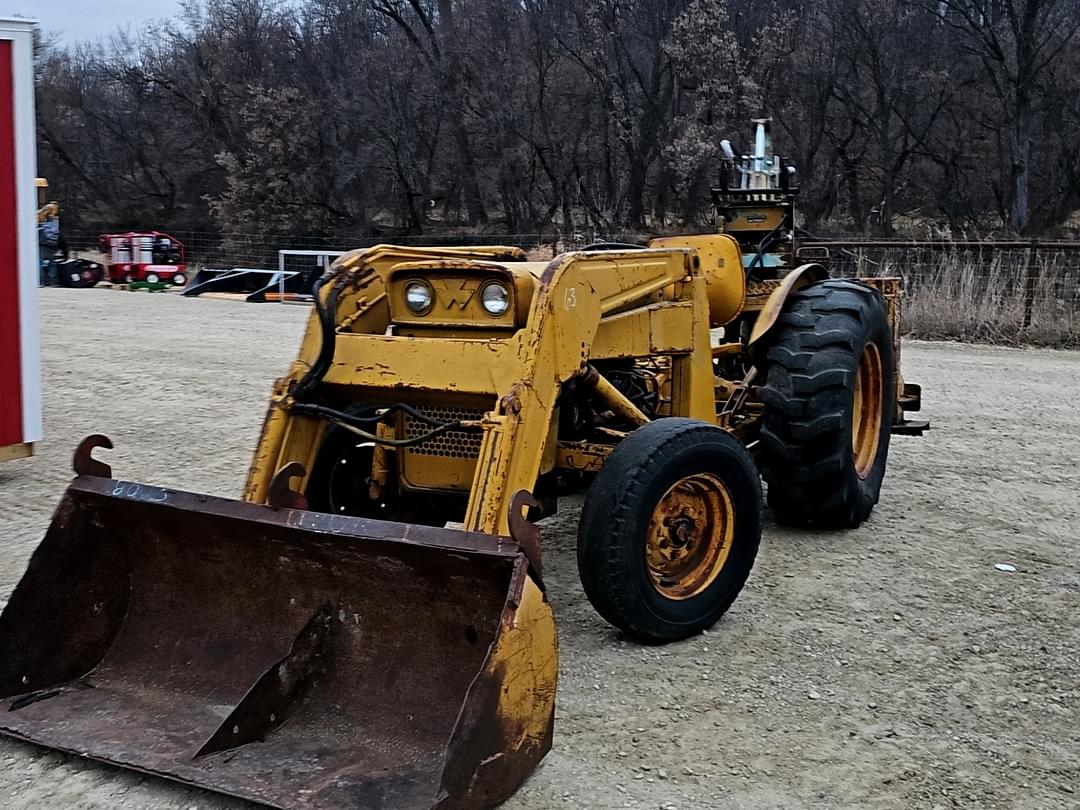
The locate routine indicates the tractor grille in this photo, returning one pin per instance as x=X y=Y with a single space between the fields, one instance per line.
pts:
x=453 y=443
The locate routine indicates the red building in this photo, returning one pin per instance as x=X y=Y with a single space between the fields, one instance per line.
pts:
x=20 y=371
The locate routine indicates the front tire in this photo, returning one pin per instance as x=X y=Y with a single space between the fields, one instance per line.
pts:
x=670 y=529
x=829 y=398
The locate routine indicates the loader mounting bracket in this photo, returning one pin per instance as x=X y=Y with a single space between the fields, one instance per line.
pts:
x=85 y=464
x=526 y=533
x=281 y=495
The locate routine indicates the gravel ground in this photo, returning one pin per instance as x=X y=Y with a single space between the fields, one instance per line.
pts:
x=889 y=667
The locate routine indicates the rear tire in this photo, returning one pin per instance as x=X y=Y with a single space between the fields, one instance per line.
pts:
x=179 y=280
x=152 y=278
x=670 y=529
x=829 y=399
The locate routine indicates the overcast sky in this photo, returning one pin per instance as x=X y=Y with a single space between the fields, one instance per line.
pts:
x=76 y=20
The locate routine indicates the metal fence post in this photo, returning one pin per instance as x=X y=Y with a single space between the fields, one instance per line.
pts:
x=1031 y=274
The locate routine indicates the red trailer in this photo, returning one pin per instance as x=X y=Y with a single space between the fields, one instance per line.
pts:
x=149 y=256
x=20 y=372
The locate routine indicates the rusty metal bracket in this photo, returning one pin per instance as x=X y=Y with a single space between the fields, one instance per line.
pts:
x=85 y=464
x=737 y=399
x=526 y=533
x=281 y=495
x=910 y=427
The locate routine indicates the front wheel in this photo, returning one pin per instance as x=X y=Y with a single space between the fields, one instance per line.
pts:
x=152 y=278
x=670 y=529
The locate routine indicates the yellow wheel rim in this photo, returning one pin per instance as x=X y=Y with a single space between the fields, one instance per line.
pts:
x=690 y=536
x=866 y=413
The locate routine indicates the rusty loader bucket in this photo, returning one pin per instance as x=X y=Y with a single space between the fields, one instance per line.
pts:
x=293 y=658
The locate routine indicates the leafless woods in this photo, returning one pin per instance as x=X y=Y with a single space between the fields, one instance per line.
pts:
x=407 y=116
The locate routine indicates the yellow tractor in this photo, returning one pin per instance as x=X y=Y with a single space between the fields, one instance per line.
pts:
x=368 y=627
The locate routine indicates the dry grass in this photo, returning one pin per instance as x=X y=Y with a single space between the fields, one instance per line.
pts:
x=984 y=297
x=973 y=295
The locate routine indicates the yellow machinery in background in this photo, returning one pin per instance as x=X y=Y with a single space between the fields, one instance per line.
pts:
x=369 y=626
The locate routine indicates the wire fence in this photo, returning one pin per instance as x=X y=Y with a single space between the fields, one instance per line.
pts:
x=1020 y=292
x=260 y=250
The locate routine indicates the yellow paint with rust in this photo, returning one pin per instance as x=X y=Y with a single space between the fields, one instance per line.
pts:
x=527 y=653
x=585 y=457
x=582 y=306
x=579 y=308
x=576 y=293
x=722 y=266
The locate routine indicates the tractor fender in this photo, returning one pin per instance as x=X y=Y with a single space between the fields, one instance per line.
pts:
x=797 y=279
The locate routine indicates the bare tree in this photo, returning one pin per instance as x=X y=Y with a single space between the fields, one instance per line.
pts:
x=1019 y=44
x=363 y=117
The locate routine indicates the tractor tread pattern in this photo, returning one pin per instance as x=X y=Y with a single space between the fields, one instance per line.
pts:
x=811 y=364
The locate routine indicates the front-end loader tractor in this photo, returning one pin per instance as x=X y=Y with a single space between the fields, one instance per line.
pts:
x=368 y=627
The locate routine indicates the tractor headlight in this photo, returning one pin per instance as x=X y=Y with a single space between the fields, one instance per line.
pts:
x=419 y=297
x=495 y=298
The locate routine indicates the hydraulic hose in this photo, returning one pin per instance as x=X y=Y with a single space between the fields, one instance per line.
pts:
x=327 y=316
x=356 y=424
x=307 y=384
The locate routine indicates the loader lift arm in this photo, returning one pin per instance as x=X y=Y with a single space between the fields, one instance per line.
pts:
x=619 y=304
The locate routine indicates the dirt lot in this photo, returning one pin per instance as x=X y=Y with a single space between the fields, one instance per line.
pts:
x=888 y=667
